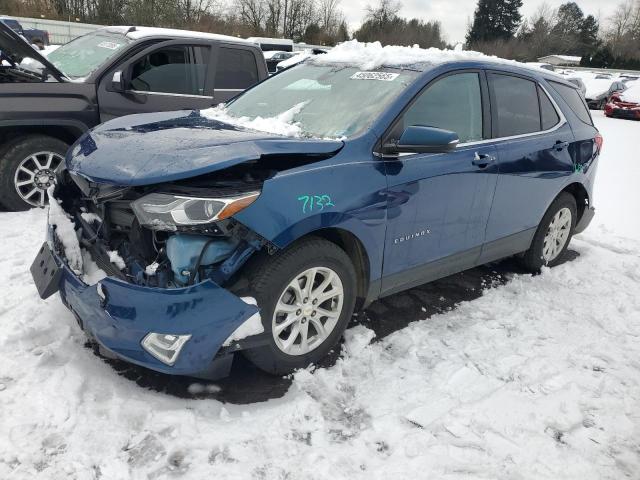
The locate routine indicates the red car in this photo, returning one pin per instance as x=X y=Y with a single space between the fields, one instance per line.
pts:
x=625 y=104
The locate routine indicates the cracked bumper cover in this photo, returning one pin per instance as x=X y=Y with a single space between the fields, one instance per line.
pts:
x=206 y=311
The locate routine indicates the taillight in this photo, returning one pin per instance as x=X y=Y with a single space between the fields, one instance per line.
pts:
x=598 y=141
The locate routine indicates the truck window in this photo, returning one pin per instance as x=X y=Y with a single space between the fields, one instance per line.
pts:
x=236 y=69
x=177 y=69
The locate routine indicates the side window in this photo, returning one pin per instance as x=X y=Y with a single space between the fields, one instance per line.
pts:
x=177 y=69
x=548 y=112
x=453 y=103
x=516 y=101
x=236 y=69
x=575 y=101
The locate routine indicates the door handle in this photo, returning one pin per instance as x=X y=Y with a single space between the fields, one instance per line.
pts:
x=482 y=159
x=561 y=145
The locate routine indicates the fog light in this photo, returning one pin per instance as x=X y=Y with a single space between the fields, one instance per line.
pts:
x=164 y=347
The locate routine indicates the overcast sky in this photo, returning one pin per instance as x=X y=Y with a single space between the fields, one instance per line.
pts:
x=454 y=15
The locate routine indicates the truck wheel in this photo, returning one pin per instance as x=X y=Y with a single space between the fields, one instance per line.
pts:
x=553 y=235
x=27 y=168
x=306 y=295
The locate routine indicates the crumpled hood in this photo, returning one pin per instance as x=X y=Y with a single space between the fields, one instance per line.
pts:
x=152 y=148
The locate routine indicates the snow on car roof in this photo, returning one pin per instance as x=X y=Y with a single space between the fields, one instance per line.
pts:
x=631 y=94
x=596 y=86
x=143 y=32
x=369 y=56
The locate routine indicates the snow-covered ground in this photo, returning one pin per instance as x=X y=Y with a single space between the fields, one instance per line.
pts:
x=537 y=378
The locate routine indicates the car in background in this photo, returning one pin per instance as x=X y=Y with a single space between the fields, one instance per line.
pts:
x=300 y=57
x=34 y=36
x=625 y=104
x=577 y=81
x=260 y=227
x=544 y=66
x=600 y=89
x=274 y=57
x=626 y=78
x=566 y=74
x=46 y=103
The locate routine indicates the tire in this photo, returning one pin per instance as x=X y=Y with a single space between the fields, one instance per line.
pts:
x=538 y=255
x=269 y=282
x=26 y=151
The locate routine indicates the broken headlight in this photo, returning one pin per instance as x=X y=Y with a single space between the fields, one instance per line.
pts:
x=163 y=211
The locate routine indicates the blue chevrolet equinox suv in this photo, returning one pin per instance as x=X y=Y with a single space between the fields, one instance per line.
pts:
x=178 y=239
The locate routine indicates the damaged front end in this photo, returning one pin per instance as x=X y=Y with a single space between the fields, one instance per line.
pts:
x=151 y=275
x=169 y=235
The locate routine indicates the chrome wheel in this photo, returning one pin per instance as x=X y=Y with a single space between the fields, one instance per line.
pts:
x=557 y=235
x=307 y=311
x=35 y=174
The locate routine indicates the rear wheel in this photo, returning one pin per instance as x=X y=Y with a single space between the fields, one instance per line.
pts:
x=553 y=234
x=28 y=166
x=306 y=296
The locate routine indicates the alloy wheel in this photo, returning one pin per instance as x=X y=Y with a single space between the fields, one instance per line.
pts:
x=307 y=311
x=35 y=174
x=557 y=235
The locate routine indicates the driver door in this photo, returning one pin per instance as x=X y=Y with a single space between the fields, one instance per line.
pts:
x=173 y=75
x=439 y=203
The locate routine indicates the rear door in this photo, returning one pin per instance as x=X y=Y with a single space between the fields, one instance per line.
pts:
x=533 y=141
x=173 y=75
x=439 y=203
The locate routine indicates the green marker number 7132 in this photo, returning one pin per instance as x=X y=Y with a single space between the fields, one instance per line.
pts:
x=312 y=203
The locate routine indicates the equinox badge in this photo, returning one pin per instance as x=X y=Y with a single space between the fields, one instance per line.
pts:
x=406 y=238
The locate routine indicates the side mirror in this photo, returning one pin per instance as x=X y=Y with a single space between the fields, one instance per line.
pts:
x=117 y=82
x=420 y=139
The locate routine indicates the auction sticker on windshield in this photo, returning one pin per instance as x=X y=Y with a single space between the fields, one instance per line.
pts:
x=109 y=45
x=384 y=76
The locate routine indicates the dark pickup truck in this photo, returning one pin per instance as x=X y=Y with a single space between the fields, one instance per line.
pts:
x=34 y=36
x=47 y=103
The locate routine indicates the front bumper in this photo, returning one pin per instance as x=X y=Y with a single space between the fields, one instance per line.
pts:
x=128 y=312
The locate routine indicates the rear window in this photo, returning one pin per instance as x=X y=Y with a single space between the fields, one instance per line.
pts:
x=575 y=101
x=516 y=99
x=236 y=69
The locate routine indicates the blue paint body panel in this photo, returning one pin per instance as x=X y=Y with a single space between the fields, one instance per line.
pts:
x=206 y=311
x=407 y=212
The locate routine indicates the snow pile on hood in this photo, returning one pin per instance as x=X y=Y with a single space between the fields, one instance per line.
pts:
x=369 y=56
x=66 y=232
x=281 y=124
x=596 y=86
x=631 y=94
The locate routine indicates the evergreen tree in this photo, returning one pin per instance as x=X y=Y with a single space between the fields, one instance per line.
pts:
x=494 y=20
x=589 y=34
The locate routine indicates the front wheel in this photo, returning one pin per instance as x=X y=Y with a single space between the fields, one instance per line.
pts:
x=306 y=296
x=553 y=234
x=29 y=165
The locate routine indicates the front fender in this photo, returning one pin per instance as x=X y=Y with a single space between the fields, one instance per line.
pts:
x=350 y=196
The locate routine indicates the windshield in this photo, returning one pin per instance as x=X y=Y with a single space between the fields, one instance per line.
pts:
x=82 y=56
x=327 y=101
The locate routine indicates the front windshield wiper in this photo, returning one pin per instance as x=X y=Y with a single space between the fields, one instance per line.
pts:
x=23 y=74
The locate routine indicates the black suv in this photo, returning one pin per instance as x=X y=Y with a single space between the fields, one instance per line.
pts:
x=47 y=103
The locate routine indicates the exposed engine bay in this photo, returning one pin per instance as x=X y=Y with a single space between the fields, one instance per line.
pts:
x=168 y=235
